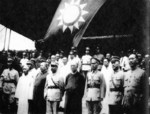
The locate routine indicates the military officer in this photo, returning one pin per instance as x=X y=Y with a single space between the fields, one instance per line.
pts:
x=86 y=61
x=10 y=79
x=54 y=89
x=115 y=93
x=95 y=88
x=135 y=88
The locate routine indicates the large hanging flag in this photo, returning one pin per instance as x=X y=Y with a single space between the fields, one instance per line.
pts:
x=72 y=19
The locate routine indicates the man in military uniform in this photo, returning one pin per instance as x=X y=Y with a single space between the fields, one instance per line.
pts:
x=95 y=88
x=99 y=55
x=135 y=89
x=54 y=89
x=115 y=93
x=86 y=62
x=10 y=79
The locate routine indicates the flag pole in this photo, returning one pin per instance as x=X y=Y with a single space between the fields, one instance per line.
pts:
x=5 y=39
x=9 y=39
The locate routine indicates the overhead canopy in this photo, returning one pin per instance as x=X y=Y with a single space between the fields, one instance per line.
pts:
x=32 y=18
x=10 y=40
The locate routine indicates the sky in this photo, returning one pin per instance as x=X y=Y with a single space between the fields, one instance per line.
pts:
x=17 y=41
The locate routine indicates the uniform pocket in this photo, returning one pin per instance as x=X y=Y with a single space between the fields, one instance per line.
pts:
x=135 y=82
x=125 y=82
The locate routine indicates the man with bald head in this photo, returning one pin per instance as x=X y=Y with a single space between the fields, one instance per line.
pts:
x=38 y=93
x=74 y=87
x=135 y=88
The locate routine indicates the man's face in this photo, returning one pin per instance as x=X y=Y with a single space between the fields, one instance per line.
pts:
x=25 y=69
x=65 y=60
x=94 y=64
x=9 y=63
x=53 y=58
x=57 y=56
x=108 y=55
x=24 y=55
x=71 y=56
x=115 y=65
x=132 y=60
x=54 y=68
x=9 y=54
x=87 y=52
x=106 y=63
x=43 y=66
x=30 y=66
x=139 y=56
x=61 y=55
x=74 y=68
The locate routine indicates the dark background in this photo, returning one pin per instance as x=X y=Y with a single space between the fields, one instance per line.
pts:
x=32 y=18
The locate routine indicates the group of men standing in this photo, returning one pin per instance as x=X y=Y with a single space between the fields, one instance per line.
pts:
x=102 y=82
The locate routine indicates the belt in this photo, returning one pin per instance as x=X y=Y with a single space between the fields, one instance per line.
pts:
x=85 y=64
x=9 y=81
x=116 y=89
x=93 y=86
x=53 y=87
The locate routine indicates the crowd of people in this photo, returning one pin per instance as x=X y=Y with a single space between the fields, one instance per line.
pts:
x=37 y=83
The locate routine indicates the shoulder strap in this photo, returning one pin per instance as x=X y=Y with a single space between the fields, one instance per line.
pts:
x=119 y=89
x=54 y=82
x=57 y=85
x=113 y=82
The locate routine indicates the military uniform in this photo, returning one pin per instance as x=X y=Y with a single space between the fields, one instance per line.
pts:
x=115 y=93
x=135 y=86
x=53 y=91
x=10 y=79
x=96 y=88
x=86 y=66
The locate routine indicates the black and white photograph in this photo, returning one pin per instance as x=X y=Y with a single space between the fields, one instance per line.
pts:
x=74 y=56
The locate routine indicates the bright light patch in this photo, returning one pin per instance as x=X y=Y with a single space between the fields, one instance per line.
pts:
x=71 y=15
x=68 y=16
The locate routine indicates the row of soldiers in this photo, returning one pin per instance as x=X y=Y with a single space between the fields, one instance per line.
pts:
x=109 y=84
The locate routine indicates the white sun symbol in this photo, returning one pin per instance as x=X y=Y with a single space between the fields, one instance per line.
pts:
x=71 y=15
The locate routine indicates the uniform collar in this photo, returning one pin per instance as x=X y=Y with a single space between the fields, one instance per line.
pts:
x=95 y=71
x=74 y=73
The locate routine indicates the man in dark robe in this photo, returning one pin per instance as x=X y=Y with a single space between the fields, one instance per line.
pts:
x=38 y=93
x=74 y=87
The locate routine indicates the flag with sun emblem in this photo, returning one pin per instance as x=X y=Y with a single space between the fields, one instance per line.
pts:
x=71 y=20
